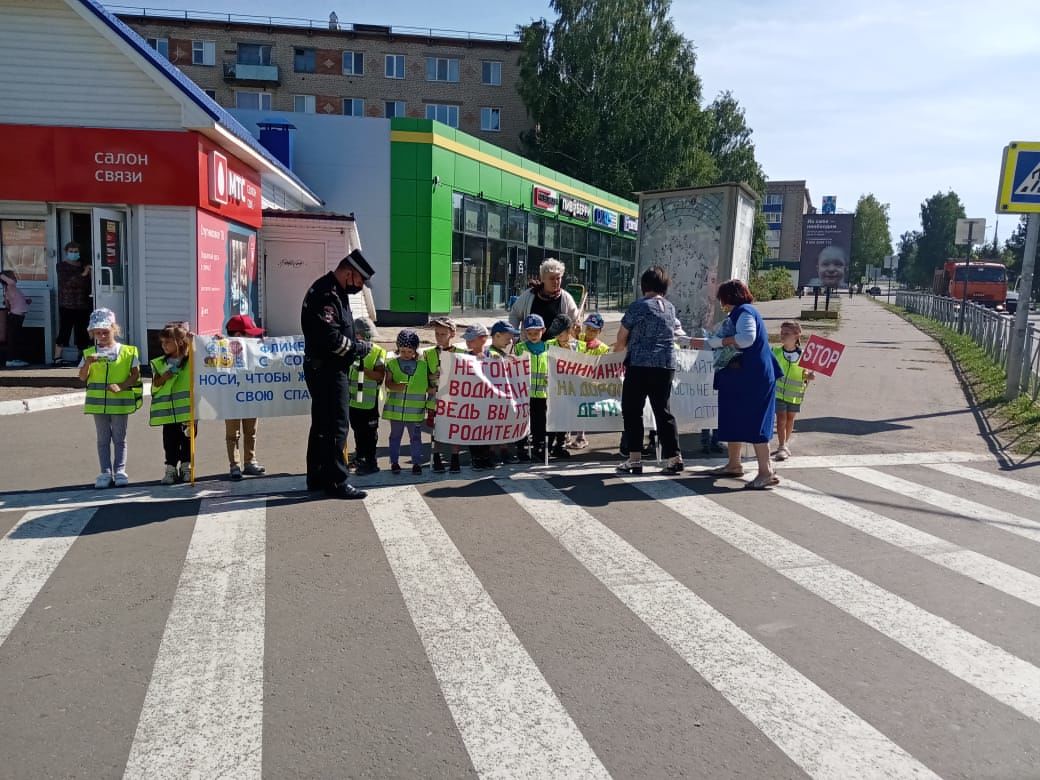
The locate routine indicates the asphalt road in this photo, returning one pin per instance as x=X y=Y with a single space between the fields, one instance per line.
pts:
x=874 y=616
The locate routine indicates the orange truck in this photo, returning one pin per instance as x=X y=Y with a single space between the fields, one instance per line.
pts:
x=986 y=282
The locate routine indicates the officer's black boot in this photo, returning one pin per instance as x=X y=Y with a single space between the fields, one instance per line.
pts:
x=438 y=463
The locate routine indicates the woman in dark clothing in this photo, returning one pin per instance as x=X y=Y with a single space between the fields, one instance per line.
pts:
x=74 y=305
x=648 y=333
x=746 y=385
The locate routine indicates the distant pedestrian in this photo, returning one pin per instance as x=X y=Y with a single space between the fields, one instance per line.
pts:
x=75 y=290
x=17 y=306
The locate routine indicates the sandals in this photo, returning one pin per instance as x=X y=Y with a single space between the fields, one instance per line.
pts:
x=762 y=483
x=724 y=471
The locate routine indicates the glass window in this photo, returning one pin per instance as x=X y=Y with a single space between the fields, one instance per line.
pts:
x=394 y=66
x=473 y=272
x=490 y=119
x=615 y=247
x=496 y=221
x=456 y=211
x=441 y=112
x=516 y=226
x=211 y=93
x=203 y=52
x=534 y=230
x=23 y=249
x=303 y=104
x=442 y=69
x=581 y=240
x=495 y=294
x=982 y=273
x=474 y=218
x=257 y=101
x=304 y=60
x=353 y=63
x=549 y=233
x=566 y=236
x=161 y=45
x=774 y=199
x=491 y=73
x=254 y=54
x=353 y=107
x=392 y=108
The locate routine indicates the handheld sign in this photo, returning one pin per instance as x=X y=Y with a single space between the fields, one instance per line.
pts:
x=821 y=355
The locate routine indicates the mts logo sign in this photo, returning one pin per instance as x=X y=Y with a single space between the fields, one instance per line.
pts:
x=224 y=184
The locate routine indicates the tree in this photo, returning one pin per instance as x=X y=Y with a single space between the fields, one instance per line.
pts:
x=614 y=97
x=908 y=257
x=939 y=215
x=871 y=236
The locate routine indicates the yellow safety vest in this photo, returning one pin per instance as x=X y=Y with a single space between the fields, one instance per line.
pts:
x=171 y=403
x=369 y=388
x=539 y=370
x=432 y=356
x=790 y=387
x=600 y=349
x=99 y=399
x=408 y=405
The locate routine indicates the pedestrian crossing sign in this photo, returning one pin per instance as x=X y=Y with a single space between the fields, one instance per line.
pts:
x=1019 y=191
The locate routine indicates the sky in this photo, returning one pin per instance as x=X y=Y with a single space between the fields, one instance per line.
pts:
x=895 y=98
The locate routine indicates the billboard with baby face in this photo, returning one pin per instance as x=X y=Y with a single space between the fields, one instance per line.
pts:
x=826 y=250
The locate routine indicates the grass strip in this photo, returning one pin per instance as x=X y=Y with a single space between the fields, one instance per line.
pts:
x=1016 y=424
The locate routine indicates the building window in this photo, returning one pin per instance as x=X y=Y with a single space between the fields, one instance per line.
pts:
x=394 y=66
x=774 y=199
x=353 y=63
x=353 y=107
x=440 y=112
x=773 y=253
x=773 y=219
x=254 y=54
x=773 y=237
x=203 y=52
x=491 y=73
x=161 y=45
x=442 y=69
x=392 y=108
x=490 y=119
x=258 y=101
x=303 y=104
x=211 y=93
x=304 y=60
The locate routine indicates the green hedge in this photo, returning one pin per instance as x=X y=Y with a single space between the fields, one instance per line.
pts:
x=773 y=285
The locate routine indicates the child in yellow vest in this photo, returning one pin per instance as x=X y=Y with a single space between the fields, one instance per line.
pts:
x=532 y=344
x=171 y=401
x=112 y=372
x=366 y=375
x=407 y=379
x=790 y=387
x=564 y=339
x=444 y=330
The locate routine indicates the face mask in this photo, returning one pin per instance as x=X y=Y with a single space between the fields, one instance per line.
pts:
x=353 y=289
x=72 y=255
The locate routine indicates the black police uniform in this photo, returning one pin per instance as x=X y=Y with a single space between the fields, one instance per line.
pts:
x=329 y=350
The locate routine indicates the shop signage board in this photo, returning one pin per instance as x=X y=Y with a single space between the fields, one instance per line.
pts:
x=629 y=225
x=211 y=288
x=575 y=209
x=544 y=199
x=1019 y=190
x=226 y=186
x=821 y=355
x=605 y=218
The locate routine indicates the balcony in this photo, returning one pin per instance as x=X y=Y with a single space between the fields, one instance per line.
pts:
x=257 y=74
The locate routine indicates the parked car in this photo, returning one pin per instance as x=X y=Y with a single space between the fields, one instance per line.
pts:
x=875 y=290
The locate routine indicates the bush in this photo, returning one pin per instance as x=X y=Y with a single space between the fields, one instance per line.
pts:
x=772 y=285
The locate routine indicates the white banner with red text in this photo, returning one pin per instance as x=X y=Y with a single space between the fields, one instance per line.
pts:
x=238 y=378
x=482 y=400
x=585 y=392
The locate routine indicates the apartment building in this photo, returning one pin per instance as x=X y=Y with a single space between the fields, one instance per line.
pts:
x=785 y=205
x=464 y=80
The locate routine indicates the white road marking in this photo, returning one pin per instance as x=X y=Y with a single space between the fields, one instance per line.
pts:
x=954 y=506
x=29 y=554
x=993 y=480
x=816 y=731
x=991 y=669
x=510 y=719
x=880 y=459
x=981 y=568
x=203 y=712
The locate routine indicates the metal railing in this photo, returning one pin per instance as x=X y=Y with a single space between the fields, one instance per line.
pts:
x=989 y=329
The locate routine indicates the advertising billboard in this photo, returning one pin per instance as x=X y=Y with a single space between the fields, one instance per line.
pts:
x=826 y=248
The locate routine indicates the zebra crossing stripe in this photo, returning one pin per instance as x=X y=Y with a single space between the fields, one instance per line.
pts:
x=203 y=711
x=510 y=719
x=878 y=459
x=953 y=505
x=984 y=477
x=821 y=735
x=29 y=554
x=991 y=669
x=981 y=568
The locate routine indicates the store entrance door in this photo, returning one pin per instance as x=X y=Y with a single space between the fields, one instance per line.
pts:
x=517 y=281
x=108 y=238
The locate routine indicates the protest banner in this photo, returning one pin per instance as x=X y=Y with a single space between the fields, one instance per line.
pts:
x=239 y=377
x=821 y=355
x=585 y=392
x=483 y=400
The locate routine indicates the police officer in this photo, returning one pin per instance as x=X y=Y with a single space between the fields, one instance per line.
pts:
x=330 y=347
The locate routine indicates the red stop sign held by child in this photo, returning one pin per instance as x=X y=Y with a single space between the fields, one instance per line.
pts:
x=822 y=355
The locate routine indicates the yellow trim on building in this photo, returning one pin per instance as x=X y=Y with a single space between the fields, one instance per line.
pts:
x=413 y=137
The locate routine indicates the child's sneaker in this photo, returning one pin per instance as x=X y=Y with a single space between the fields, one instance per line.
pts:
x=395 y=468
x=254 y=469
x=121 y=479
x=417 y=470
x=236 y=473
x=170 y=477
x=104 y=480
x=185 y=474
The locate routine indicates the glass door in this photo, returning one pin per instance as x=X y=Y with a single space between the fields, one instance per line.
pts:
x=110 y=263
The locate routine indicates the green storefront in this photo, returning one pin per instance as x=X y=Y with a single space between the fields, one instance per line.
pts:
x=470 y=223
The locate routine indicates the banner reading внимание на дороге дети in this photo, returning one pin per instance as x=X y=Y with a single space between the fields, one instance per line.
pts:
x=585 y=392
x=238 y=378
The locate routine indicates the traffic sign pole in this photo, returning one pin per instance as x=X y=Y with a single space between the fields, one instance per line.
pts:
x=1018 y=332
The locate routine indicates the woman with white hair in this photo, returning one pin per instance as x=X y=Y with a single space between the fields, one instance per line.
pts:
x=545 y=297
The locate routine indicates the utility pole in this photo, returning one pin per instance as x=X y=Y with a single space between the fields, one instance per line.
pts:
x=969 y=232
x=1025 y=295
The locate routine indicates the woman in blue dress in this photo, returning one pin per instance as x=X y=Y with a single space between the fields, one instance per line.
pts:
x=746 y=384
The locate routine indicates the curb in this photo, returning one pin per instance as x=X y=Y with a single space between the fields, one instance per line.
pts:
x=45 y=403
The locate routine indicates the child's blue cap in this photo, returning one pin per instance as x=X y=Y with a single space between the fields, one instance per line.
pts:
x=594 y=320
x=504 y=327
x=534 y=321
